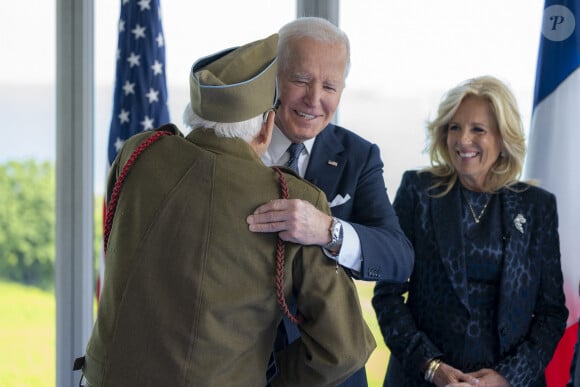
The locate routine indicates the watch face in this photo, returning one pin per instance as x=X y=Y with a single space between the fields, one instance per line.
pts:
x=335 y=234
x=338 y=228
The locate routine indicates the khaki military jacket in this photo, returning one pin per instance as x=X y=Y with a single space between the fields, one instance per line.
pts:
x=189 y=292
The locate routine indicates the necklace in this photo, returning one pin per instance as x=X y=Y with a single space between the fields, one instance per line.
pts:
x=477 y=218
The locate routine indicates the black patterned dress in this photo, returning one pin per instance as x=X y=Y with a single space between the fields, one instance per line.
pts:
x=483 y=261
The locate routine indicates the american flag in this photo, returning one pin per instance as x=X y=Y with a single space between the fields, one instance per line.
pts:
x=140 y=96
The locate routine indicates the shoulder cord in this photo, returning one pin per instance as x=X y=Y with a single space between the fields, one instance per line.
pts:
x=280 y=248
x=112 y=206
x=280 y=259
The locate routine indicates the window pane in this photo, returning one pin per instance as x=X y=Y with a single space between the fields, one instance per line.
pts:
x=404 y=58
x=27 y=192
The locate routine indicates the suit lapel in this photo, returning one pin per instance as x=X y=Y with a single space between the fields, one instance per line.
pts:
x=446 y=212
x=515 y=262
x=326 y=163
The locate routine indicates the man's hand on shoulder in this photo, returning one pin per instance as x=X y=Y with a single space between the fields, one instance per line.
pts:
x=295 y=220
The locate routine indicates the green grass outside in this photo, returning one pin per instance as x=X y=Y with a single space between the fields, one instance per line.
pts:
x=28 y=336
x=377 y=364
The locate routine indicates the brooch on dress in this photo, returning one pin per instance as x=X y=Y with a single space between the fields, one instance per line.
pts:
x=519 y=221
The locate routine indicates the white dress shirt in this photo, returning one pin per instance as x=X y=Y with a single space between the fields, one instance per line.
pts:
x=350 y=255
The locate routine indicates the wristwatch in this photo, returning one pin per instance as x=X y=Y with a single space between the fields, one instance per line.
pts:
x=336 y=236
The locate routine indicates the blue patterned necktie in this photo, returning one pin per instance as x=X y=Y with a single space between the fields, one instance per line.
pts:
x=294 y=150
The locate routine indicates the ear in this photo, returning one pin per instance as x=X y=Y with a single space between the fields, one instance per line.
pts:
x=262 y=140
x=265 y=134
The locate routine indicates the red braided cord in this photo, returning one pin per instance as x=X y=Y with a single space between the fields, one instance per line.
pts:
x=280 y=259
x=117 y=188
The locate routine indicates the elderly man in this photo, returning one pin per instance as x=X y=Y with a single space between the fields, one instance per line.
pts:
x=363 y=233
x=191 y=296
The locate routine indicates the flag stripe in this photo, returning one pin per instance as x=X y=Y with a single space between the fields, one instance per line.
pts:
x=557 y=373
x=552 y=154
x=559 y=54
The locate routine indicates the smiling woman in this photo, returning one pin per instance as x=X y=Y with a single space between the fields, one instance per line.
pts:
x=486 y=246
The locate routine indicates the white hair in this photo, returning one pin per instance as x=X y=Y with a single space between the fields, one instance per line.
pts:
x=246 y=130
x=315 y=28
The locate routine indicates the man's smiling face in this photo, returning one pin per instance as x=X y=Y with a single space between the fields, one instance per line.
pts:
x=310 y=88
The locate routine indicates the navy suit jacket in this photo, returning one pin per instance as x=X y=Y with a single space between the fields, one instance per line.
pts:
x=531 y=313
x=343 y=163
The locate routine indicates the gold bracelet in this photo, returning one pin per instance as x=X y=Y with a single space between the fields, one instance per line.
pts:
x=431 y=369
x=434 y=370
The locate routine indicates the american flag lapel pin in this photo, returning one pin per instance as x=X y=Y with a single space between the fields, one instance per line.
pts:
x=332 y=163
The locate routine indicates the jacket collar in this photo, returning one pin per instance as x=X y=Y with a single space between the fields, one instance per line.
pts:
x=516 y=237
x=446 y=212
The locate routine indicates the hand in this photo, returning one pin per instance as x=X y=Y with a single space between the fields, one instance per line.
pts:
x=489 y=378
x=447 y=376
x=295 y=220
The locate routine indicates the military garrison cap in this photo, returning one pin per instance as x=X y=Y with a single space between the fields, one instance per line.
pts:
x=236 y=84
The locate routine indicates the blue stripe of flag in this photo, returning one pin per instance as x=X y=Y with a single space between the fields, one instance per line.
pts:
x=557 y=59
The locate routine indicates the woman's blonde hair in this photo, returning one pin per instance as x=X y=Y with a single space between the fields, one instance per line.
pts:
x=508 y=167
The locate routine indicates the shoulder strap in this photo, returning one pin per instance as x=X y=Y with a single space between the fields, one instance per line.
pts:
x=112 y=206
x=280 y=259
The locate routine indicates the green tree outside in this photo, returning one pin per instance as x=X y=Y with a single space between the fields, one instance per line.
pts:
x=27 y=222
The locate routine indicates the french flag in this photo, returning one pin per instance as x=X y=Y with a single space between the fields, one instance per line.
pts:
x=553 y=151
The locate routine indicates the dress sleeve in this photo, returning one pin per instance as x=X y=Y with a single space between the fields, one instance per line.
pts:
x=410 y=347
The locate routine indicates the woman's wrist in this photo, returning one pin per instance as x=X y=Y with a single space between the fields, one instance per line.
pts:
x=431 y=368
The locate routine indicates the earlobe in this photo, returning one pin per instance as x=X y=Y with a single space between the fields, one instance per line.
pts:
x=262 y=138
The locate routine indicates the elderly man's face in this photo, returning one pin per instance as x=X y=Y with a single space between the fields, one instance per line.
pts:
x=310 y=88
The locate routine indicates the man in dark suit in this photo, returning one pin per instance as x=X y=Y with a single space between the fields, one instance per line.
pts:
x=363 y=234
